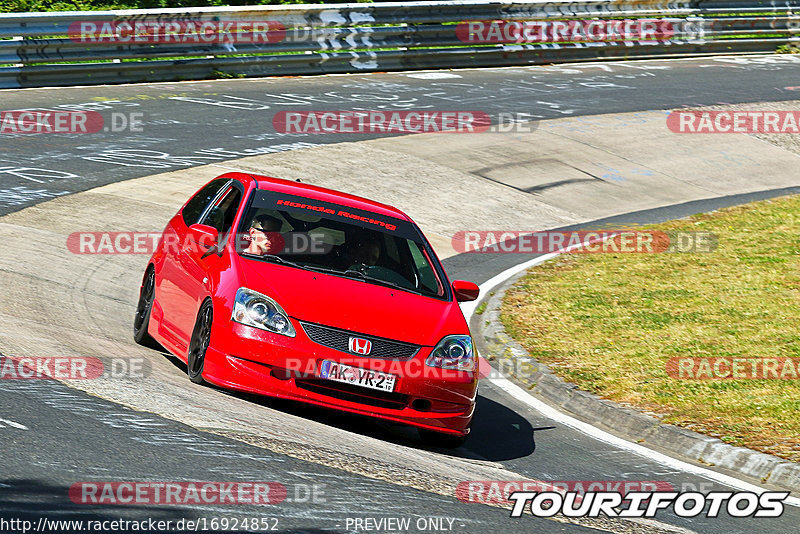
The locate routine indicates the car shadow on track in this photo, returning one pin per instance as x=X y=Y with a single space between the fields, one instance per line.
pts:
x=498 y=433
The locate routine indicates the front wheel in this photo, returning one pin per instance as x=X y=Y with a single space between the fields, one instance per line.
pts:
x=144 y=309
x=201 y=337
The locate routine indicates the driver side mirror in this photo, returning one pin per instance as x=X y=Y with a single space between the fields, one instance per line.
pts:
x=205 y=236
x=465 y=291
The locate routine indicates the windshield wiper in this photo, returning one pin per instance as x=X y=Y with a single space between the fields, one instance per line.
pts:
x=272 y=257
x=379 y=281
x=319 y=269
x=283 y=261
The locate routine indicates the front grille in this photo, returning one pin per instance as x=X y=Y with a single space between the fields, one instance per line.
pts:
x=340 y=340
x=348 y=392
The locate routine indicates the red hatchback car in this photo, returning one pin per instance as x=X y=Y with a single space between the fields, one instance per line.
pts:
x=295 y=291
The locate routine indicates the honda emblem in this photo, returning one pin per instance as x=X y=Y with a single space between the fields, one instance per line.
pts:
x=360 y=346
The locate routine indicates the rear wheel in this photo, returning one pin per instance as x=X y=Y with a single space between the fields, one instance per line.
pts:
x=144 y=309
x=201 y=337
x=440 y=440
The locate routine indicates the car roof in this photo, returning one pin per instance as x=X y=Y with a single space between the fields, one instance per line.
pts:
x=321 y=193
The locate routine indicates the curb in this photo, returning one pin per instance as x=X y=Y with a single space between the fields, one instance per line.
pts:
x=502 y=351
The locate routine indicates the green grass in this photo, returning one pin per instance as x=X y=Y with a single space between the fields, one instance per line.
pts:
x=788 y=49
x=610 y=322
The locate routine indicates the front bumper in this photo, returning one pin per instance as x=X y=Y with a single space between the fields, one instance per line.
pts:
x=252 y=360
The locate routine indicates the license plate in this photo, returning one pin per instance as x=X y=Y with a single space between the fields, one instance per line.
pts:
x=357 y=376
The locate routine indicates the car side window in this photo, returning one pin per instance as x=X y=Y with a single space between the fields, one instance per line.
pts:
x=200 y=201
x=427 y=278
x=221 y=215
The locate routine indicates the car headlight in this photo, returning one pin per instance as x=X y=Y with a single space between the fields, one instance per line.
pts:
x=453 y=352
x=259 y=311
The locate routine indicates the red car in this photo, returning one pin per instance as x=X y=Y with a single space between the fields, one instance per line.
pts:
x=295 y=291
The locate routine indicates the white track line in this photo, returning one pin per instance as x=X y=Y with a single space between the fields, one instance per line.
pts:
x=12 y=424
x=548 y=411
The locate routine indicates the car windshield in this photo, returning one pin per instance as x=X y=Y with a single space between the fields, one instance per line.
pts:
x=339 y=240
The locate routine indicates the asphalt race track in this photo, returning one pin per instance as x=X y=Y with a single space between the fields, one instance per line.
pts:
x=224 y=120
x=53 y=436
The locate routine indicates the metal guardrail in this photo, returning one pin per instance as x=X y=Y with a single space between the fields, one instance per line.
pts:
x=103 y=47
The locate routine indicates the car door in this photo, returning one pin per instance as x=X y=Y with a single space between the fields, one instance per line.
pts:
x=170 y=292
x=198 y=266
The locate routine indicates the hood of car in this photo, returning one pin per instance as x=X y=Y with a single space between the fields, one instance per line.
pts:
x=354 y=305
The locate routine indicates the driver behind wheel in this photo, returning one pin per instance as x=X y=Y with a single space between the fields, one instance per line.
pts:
x=264 y=236
x=366 y=252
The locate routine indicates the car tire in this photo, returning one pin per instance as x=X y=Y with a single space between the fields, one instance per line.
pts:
x=440 y=440
x=201 y=338
x=144 y=309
